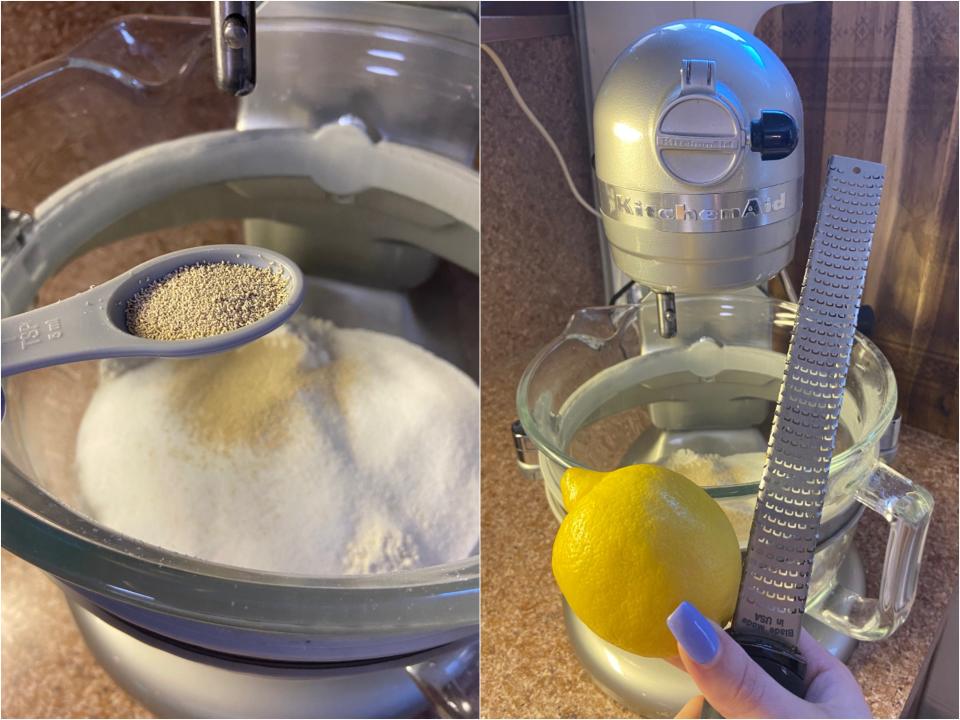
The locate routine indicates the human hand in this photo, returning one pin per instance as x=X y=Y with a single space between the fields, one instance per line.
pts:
x=737 y=687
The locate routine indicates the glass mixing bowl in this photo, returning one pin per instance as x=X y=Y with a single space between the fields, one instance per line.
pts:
x=226 y=609
x=137 y=99
x=611 y=392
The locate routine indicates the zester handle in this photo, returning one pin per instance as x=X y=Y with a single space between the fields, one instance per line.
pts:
x=789 y=669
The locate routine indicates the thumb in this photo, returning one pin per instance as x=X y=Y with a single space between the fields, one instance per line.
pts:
x=730 y=681
x=692 y=710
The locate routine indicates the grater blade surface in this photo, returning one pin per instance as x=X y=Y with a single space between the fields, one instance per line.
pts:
x=786 y=522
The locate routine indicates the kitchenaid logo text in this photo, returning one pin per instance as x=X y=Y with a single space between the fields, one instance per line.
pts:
x=706 y=212
x=754 y=206
x=688 y=143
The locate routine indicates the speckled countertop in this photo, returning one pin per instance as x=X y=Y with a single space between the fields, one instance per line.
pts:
x=529 y=669
x=47 y=669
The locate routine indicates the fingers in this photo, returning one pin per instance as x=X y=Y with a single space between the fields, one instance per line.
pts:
x=830 y=683
x=732 y=683
x=818 y=657
x=693 y=708
x=676 y=662
x=813 y=651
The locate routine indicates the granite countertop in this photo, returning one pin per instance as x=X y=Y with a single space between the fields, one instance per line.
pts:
x=47 y=669
x=529 y=669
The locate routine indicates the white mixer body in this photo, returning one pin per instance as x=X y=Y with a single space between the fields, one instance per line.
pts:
x=699 y=159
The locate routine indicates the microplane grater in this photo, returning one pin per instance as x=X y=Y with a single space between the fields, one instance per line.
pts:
x=786 y=521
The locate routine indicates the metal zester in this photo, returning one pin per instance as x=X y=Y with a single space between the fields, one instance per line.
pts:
x=786 y=522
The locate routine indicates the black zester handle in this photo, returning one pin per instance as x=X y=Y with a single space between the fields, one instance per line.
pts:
x=787 y=668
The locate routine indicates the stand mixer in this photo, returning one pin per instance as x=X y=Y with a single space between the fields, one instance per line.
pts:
x=699 y=167
x=699 y=170
x=349 y=152
x=699 y=162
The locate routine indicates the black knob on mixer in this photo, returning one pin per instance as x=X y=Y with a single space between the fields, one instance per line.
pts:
x=775 y=135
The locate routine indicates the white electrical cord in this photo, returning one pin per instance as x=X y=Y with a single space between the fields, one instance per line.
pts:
x=538 y=125
x=511 y=86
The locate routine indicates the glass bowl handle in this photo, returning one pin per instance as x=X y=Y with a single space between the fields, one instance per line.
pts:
x=451 y=682
x=907 y=508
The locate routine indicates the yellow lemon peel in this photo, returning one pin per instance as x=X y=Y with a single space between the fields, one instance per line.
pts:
x=576 y=483
x=636 y=543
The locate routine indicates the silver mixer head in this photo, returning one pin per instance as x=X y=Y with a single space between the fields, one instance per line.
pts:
x=699 y=161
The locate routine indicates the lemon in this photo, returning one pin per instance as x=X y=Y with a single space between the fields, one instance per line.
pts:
x=577 y=482
x=636 y=543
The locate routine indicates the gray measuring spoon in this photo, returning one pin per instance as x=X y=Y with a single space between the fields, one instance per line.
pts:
x=92 y=325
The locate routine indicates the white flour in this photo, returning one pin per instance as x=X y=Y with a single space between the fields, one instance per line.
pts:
x=315 y=450
x=709 y=470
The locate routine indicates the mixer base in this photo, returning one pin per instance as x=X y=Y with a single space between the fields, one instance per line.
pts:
x=173 y=681
x=653 y=688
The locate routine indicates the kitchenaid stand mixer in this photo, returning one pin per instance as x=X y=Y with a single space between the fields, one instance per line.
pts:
x=360 y=171
x=699 y=167
x=699 y=162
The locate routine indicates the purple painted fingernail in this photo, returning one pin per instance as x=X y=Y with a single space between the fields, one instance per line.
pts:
x=694 y=632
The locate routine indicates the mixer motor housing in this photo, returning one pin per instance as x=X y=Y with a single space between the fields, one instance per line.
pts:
x=699 y=159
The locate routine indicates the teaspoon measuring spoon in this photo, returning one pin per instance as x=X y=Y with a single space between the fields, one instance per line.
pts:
x=93 y=325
